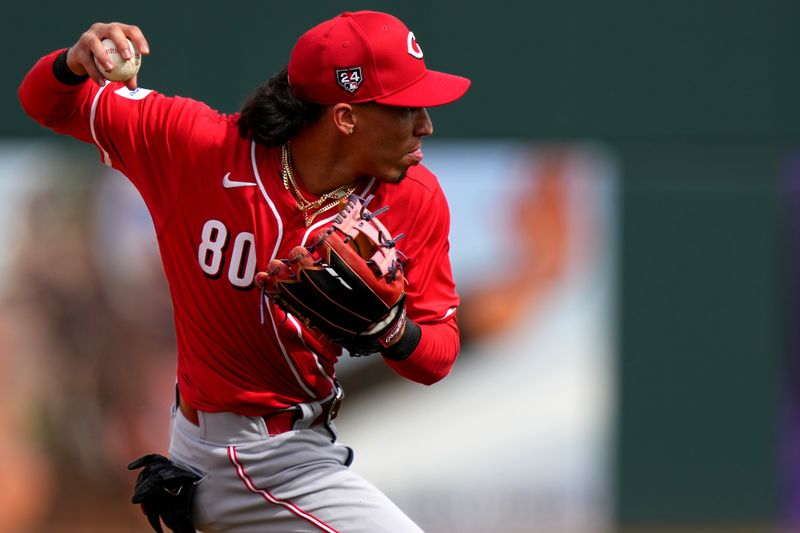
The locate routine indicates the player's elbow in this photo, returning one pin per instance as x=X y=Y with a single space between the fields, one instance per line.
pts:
x=436 y=375
x=33 y=108
x=424 y=375
x=25 y=102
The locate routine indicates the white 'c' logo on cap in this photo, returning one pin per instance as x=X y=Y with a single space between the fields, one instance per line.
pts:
x=413 y=46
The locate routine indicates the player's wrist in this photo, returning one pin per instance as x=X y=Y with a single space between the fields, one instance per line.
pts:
x=65 y=74
x=406 y=343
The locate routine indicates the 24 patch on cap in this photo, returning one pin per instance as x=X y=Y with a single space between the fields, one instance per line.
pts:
x=349 y=78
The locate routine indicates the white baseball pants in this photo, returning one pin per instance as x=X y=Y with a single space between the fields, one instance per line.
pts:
x=299 y=481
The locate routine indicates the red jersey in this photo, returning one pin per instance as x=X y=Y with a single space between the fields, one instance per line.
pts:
x=221 y=213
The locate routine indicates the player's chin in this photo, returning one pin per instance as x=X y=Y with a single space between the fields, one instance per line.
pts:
x=397 y=178
x=395 y=175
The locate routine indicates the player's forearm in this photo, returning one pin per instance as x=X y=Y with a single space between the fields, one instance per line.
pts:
x=434 y=355
x=54 y=102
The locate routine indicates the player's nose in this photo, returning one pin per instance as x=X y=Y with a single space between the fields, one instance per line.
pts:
x=423 y=125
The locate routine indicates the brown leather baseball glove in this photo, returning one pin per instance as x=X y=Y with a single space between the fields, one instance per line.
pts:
x=348 y=283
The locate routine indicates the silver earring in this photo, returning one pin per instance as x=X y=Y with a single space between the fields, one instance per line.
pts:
x=350 y=131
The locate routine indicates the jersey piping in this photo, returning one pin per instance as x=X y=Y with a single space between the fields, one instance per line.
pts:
x=278 y=240
x=92 y=114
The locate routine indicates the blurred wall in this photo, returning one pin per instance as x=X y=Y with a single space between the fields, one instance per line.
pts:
x=698 y=102
x=620 y=70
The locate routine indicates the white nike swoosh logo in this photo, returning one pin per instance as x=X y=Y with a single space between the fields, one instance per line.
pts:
x=228 y=183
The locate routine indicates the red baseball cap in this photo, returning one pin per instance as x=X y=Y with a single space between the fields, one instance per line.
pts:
x=367 y=56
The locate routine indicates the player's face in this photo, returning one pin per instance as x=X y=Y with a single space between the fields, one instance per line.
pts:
x=390 y=139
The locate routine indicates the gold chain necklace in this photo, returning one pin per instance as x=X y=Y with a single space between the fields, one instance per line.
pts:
x=309 y=209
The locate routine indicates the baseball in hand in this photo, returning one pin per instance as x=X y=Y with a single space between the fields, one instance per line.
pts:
x=124 y=69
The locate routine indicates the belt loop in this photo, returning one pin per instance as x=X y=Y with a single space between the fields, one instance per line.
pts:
x=308 y=413
x=320 y=411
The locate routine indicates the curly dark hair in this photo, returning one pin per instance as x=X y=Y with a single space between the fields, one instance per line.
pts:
x=272 y=115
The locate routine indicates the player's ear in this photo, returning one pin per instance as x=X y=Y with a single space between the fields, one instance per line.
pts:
x=343 y=118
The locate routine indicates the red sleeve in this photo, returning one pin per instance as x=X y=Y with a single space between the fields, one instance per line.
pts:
x=54 y=104
x=434 y=356
x=431 y=292
x=141 y=133
x=431 y=298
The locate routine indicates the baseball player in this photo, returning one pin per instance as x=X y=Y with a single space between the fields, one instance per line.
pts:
x=248 y=209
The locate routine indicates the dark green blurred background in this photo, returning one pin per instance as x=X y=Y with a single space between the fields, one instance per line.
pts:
x=696 y=99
